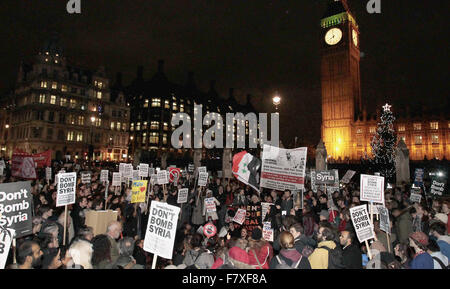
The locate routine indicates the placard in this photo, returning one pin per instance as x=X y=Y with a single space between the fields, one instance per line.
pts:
x=210 y=205
x=415 y=197
x=191 y=168
x=174 y=174
x=99 y=220
x=348 y=176
x=325 y=178
x=151 y=171
x=161 y=229
x=202 y=179
x=202 y=169
x=253 y=217
x=437 y=187
x=135 y=175
x=6 y=238
x=384 y=219
x=162 y=177
x=267 y=231
x=239 y=217
x=372 y=189
x=128 y=171
x=143 y=170
x=48 y=173
x=16 y=205
x=67 y=183
x=182 y=195
x=116 y=180
x=418 y=177
x=153 y=179
x=104 y=175
x=122 y=169
x=86 y=178
x=283 y=168
x=361 y=223
x=138 y=190
x=264 y=208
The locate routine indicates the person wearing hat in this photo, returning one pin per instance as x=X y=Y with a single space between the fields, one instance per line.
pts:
x=260 y=252
x=418 y=241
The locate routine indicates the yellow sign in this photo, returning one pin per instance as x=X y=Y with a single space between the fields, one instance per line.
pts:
x=138 y=190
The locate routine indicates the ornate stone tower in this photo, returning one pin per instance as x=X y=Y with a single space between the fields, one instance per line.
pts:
x=340 y=78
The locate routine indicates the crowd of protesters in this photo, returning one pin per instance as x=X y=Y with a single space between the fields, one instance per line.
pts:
x=314 y=234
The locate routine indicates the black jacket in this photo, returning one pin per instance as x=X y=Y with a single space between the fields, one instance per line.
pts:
x=302 y=241
x=352 y=257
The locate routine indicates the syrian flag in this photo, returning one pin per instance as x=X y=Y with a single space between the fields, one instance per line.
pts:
x=246 y=169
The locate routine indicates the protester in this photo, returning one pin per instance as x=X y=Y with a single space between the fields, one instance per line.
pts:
x=418 y=241
x=289 y=257
x=351 y=253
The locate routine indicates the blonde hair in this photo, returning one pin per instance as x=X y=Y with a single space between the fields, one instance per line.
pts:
x=286 y=240
x=81 y=253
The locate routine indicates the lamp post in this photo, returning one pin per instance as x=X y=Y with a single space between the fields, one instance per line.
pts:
x=91 y=146
x=6 y=138
x=276 y=101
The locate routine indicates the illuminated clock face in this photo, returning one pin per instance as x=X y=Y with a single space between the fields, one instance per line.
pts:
x=355 y=37
x=333 y=36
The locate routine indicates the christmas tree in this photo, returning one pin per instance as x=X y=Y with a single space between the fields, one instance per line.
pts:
x=383 y=146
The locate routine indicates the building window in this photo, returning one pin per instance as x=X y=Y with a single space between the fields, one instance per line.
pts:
x=174 y=106
x=41 y=98
x=372 y=129
x=51 y=116
x=49 y=133
x=138 y=126
x=417 y=126
x=98 y=84
x=71 y=119
x=118 y=126
x=418 y=139
x=154 y=125
x=166 y=104
x=124 y=126
x=165 y=138
x=154 y=138
x=112 y=125
x=435 y=138
x=131 y=126
x=52 y=99
x=80 y=120
x=156 y=102
x=146 y=103
x=359 y=130
x=434 y=125
x=54 y=85
x=62 y=101
x=64 y=88
x=144 y=138
x=79 y=136
x=73 y=103
x=181 y=107
x=70 y=136
x=60 y=135
x=44 y=84
x=401 y=127
x=98 y=122
x=62 y=119
x=402 y=137
x=98 y=95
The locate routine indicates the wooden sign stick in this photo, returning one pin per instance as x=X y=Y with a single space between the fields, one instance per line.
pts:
x=65 y=225
x=155 y=257
x=368 y=250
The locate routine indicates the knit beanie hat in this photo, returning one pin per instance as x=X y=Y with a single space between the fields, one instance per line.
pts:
x=420 y=237
x=256 y=234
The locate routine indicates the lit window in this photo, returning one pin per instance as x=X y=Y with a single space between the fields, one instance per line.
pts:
x=98 y=84
x=44 y=84
x=146 y=103
x=80 y=120
x=166 y=104
x=99 y=95
x=401 y=127
x=80 y=136
x=98 y=122
x=56 y=61
x=174 y=106
x=156 y=102
x=372 y=129
x=70 y=136
x=54 y=85
x=118 y=126
x=52 y=99
x=181 y=107
x=154 y=125
x=165 y=138
x=138 y=126
x=62 y=101
x=359 y=130
x=112 y=125
x=434 y=125
x=144 y=125
x=417 y=126
x=434 y=139
x=166 y=126
x=154 y=138
x=73 y=103
x=418 y=139
x=42 y=98
x=144 y=138
x=403 y=138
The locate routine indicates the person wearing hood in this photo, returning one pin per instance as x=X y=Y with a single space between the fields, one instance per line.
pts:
x=289 y=257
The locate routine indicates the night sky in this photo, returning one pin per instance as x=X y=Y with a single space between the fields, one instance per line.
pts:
x=254 y=46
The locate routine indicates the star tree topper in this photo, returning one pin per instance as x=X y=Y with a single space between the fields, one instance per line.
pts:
x=387 y=107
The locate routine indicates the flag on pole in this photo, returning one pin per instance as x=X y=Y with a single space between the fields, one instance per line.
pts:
x=246 y=169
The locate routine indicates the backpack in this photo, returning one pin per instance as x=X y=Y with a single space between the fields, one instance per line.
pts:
x=283 y=265
x=335 y=259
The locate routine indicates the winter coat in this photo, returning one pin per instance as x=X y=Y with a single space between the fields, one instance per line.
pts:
x=404 y=227
x=213 y=215
x=308 y=224
x=264 y=255
x=319 y=258
x=197 y=213
x=114 y=250
x=422 y=261
x=444 y=245
x=302 y=241
x=201 y=259
x=290 y=257
x=382 y=237
x=352 y=257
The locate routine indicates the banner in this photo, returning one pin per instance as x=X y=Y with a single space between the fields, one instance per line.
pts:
x=138 y=190
x=42 y=160
x=67 y=183
x=210 y=205
x=16 y=207
x=143 y=170
x=48 y=173
x=86 y=178
x=162 y=178
x=348 y=176
x=104 y=175
x=23 y=166
x=372 y=189
x=418 y=177
x=267 y=231
x=6 y=237
x=161 y=229
x=253 y=217
x=283 y=168
x=384 y=219
x=202 y=179
x=239 y=217
x=325 y=178
x=182 y=195
x=361 y=222
x=116 y=180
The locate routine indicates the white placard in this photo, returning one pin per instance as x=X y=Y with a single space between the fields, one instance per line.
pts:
x=116 y=180
x=2 y=164
x=67 y=183
x=153 y=179
x=384 y=219
x=85 y=178
x=6 y=237
x=202 y=179
x=267 y=231
x=122 y=168
x=163 y=177
x=151 y=171
x=348 y=176
x=48 y=173
x=239 y=217
x=104 y=175
x=361 y=223
x=415 y=197
x=143 y=170
x=161 y=229
x=128 y=171
x=283 y=168
x=202 y=169
x=182 y=195
x=372 y=189
x=135 y=175
x=210 y=205
x=264 y=208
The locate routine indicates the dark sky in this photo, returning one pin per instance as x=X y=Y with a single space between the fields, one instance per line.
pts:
x=254 y=46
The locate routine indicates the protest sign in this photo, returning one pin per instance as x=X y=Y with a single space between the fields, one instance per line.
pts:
x=361 y=222
x=219 y=174
x=6 y=238
x=16 y=207
x=138 y=191
x=1 y=171
x=122 y=168
x=418 y=177
x=182 y=195
x=202 y=169
x=372 y=189
x=210 y=205
x=191 y=168
x=209 y=230
x=116 y=181
x=23 y=167
x=99 y=220
x=143 y=170
x=384 y=219
x=86 y=178
x=253 y=217
x=264 y=208
x=66 y=189
x=135 y=175
x=267 y=232
x=283 y=168
x=174 y=174
x=48 y=173
x=162 y=178
x=151 y=171
x=104 y=175
x=437 y=186
x=415 y=196
x=2 y=164
x=325 y=178
x=128 y=171
x=161 y=229
x=153 y=179
x=202 y=179
x=239 y=217
x=348 y=176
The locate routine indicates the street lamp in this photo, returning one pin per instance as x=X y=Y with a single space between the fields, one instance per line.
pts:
x=276 y=100
x=91 y=146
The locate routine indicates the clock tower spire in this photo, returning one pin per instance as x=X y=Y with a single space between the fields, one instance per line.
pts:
x=340 y=78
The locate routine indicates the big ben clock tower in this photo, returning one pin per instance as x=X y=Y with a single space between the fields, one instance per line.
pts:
x=340 y=78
